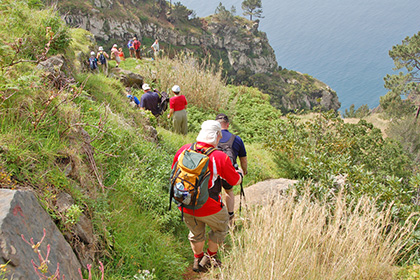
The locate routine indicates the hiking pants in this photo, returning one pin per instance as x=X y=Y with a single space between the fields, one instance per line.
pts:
x=218 y=223
x=180 y=122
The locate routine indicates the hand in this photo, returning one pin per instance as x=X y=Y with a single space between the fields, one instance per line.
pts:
x=169 y=116
x=240 y=171
x=231 y=219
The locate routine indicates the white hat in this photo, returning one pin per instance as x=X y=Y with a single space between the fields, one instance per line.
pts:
x=92 y=53
x=176 y=88
x=114 y=46
x=101 y=48
x=209 y=131
x=145 y=87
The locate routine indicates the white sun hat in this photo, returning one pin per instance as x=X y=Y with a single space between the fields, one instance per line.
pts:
x=176 y=88
x=209 y=131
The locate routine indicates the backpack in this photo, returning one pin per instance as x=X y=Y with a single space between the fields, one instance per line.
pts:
x=136 y=44
x=130 y=44
x=93 y=64
x=189 y=178
x=102 y=58
x=226 y=147
x=163 y=102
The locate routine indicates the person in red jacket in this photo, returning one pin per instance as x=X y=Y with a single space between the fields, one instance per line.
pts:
x=177 y=106
x=214 y=213
x=137 y=44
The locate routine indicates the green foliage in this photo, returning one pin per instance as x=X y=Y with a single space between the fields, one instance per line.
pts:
x=252 y=115
x=180 y=13
x=361 y=112
x=73 y=214
x=337 y=155
x=252 y=8
x=34 y=32
x=405 y=56
x=223 y=14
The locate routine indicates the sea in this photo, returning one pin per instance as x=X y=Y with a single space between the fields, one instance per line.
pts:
x=343 y=43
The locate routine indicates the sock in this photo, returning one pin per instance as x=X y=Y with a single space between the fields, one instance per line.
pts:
x=199 y=255
x=210 y=253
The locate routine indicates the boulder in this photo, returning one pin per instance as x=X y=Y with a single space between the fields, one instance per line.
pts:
x=128 y=78
x=21 y=215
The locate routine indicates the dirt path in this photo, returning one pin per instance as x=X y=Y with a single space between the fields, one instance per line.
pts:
x=262 y=192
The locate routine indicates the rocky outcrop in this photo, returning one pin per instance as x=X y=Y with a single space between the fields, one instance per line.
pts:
x=324 y=97
x=244 y=45
x=21 y=215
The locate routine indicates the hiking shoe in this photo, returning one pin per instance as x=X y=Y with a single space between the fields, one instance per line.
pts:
x=196 y=264
x=210 y=262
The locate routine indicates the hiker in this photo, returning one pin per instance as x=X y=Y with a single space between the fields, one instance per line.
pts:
x=137 y=44
x=133 y=99
x=122 y=57
x=214 y=213
x=177 y=106
x=155 y=48
x=130 y=46
x=102 y=57
x=235 y=143
x=115 y=54
x=93 y=62
x=149 y=100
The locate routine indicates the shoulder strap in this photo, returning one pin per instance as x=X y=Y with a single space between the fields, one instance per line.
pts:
x=231 y=140
x=206 y=152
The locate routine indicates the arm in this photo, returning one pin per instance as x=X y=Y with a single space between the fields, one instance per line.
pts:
x=244 y=164
x=171 y=112
x=230 y=200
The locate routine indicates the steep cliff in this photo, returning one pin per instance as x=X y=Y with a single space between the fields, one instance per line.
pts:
x=236 y=42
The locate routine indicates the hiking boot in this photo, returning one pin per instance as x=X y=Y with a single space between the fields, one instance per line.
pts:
x=196 y=264
x=210 y=262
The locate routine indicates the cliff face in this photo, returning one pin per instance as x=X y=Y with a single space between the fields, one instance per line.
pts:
x=245 y=52
x=242 y=43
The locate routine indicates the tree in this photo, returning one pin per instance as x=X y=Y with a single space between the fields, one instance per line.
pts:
x=223 y=14
x=407 y=57
x=252 y=8
x=180 y=13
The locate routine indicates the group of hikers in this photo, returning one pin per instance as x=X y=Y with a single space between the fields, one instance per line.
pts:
x=199 y=198
x=200 y=170
x=156 y=102
x=100 y=59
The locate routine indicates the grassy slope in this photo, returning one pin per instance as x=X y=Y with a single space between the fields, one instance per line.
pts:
x=123 y=187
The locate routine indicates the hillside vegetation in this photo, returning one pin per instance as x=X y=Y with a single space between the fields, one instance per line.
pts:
x=75 y=132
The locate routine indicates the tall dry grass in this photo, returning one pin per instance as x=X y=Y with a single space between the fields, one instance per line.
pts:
x=306 y=240
x=202 y=83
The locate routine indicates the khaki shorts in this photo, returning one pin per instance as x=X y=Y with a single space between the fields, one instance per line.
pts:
x=218 y=223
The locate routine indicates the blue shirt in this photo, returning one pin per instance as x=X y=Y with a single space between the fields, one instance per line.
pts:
x=150 y=101
x=135 y=99
x=238 y=145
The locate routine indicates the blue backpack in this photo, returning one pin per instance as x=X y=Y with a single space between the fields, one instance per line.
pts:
x=93 y=63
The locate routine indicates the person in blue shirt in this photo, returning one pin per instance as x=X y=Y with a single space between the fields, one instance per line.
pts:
x=134 y=99
x=238 y=146
x=149 y=100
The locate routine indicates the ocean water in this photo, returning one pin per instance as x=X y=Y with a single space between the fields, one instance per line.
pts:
x=344 y=43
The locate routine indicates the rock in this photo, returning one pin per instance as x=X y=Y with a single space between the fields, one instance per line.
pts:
x=263 y=193
x=21 y=214
x=128 y=78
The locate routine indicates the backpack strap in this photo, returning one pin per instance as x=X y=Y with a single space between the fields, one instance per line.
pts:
x=206 y=151
x=231 y=140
